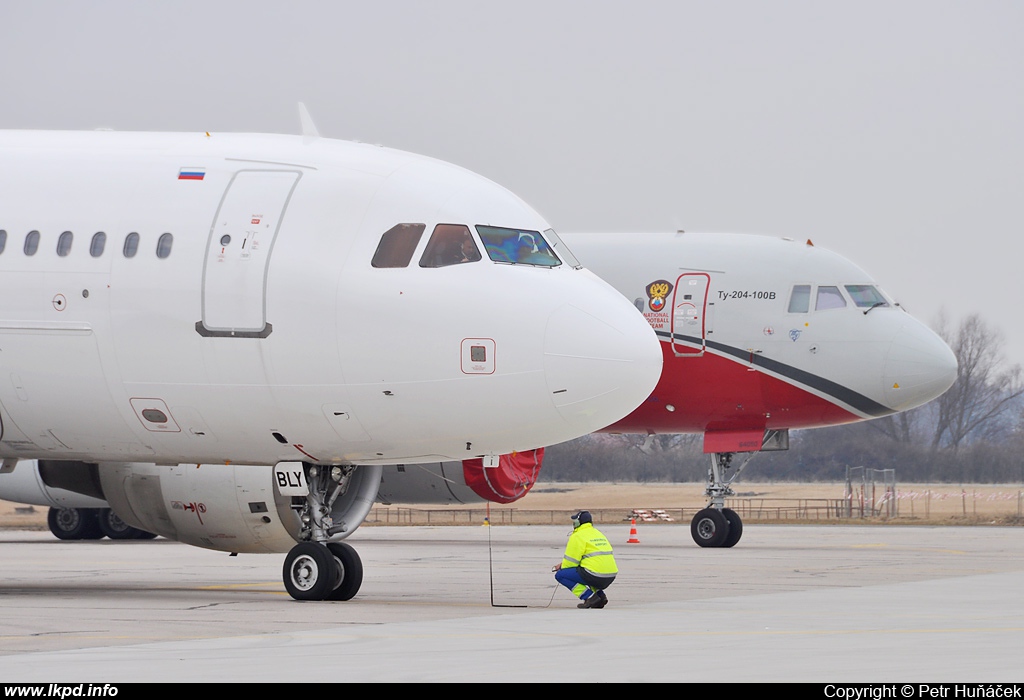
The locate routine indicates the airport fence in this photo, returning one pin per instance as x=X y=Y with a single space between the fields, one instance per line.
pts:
x=903 y=507
x=806 y=509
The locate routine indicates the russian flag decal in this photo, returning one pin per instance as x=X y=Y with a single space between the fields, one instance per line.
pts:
x=192 y=173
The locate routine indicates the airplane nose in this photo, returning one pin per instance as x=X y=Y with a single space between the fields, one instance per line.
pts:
x=601 y=361
x=918 y=367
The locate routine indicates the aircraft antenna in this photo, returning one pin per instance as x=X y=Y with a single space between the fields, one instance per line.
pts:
x=308 y=127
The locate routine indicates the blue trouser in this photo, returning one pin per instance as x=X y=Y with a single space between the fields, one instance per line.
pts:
x=575 y=582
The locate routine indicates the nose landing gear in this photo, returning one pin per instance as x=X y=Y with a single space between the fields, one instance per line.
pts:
x=317 y=569
x=716 y=525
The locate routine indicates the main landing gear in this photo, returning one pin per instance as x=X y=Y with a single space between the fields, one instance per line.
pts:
x=74 y=523
x=317 y=569
x=92 y=524
x=716 y=525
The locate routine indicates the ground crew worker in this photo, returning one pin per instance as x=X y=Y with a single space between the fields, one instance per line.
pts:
x=588 y=566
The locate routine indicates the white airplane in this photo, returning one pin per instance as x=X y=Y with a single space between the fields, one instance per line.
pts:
x=762 y=335
x=759 y=335
x=175 y=300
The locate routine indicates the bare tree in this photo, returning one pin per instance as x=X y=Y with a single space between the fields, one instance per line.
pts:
x=983 y=391
x=898 y=427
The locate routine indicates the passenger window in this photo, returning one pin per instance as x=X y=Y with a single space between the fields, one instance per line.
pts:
x=517 y=246
x=800 y=299
x=98 y=243
x=163 y=245
x=450 y=244
x=131 y=245
x=31 y=242
x=64 y=243
x=3 y=240
x=866 y=296
x=397 y=245
x=829 y=298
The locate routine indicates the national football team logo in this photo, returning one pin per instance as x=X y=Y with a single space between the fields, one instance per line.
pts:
x=656 y=294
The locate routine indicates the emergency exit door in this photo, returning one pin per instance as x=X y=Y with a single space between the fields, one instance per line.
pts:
x=689 y=314
x=238 y=253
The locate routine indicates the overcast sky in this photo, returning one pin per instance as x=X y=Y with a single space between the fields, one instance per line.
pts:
x=891 y=132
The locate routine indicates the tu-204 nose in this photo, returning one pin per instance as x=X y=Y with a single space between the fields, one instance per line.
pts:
x=919 y=366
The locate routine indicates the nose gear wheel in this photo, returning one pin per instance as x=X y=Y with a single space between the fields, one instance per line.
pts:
x=310 y=572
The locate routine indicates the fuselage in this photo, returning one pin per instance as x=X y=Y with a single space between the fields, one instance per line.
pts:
x=206 y=298
x=763 y=333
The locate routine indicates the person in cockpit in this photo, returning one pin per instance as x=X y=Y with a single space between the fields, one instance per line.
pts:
x=468 y=251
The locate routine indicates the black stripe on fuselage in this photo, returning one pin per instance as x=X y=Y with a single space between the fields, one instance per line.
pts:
x=839 y=392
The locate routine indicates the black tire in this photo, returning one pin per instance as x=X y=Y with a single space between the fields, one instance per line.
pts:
x=350 y=571
x=92 y=524
x=709 y=528
x=74 y=523
x=143 y=535
x=735 y=527
x=310 y=572
x=113 y=527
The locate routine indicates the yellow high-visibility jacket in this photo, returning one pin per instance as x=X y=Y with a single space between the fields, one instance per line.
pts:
x=588 y=548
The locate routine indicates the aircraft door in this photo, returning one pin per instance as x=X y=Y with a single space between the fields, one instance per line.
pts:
x=238 y=253
x=689 y=314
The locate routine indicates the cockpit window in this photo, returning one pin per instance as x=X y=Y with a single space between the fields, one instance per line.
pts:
x=800 y=299
x=450 y=244
x=561 y=249
x=829 y=298
x=516 y=246
x=397 y=245
x=866 y=296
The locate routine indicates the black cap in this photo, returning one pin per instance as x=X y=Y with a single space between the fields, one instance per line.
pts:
x=581 y=517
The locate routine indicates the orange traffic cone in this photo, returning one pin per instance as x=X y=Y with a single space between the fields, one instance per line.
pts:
x=633 y=539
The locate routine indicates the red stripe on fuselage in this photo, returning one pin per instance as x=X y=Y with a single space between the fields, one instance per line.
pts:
x=718 y=393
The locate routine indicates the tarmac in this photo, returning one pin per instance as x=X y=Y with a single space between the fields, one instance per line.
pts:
x=809 y=604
